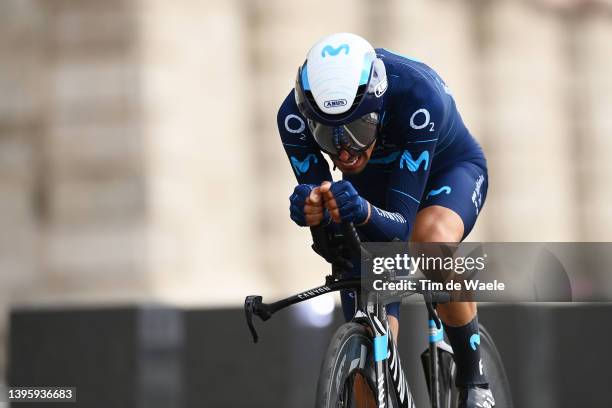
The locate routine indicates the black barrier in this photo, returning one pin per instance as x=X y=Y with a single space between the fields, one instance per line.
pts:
x=555 y=355
x=118 y=357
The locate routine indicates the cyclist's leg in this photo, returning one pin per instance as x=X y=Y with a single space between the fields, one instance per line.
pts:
x=393 y=319
x=450 y=207
x=452 y=201
x=441 y=224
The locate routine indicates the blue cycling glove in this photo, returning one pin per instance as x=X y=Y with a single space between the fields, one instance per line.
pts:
x=353 y=208
x=297 y=201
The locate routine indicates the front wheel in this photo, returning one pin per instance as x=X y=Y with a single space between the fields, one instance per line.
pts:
x=496 y=374
x=347 y=371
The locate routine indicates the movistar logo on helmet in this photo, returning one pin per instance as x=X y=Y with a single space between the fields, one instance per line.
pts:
x=329 y=50
x=334 y=103
x=338 y=65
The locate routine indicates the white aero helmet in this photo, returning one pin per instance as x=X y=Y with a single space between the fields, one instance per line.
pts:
x=340 y=89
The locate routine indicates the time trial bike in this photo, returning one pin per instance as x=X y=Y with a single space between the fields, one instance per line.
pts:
x=363 y=354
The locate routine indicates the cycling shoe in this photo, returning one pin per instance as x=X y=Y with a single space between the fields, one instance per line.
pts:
x=476 y=396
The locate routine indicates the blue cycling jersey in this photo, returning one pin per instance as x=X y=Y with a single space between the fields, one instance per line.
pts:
x=424 y=154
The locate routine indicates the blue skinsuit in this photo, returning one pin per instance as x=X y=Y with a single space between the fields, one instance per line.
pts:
x=424 y=156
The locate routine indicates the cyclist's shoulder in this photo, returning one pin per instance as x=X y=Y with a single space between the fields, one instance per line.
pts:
x=289 y=116
x=288 y=105
x=408 y=73
x=412 y=83
x=400 y=64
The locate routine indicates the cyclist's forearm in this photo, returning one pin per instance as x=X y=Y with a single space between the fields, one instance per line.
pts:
x=384 y=226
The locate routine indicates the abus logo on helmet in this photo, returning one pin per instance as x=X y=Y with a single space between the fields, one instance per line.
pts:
x=334 y=103
x=381 y=88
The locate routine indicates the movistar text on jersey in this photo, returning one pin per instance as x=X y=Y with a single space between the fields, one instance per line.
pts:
x=411 y=264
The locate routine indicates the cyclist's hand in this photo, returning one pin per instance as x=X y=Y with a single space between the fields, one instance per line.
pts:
x=306 y=206
x=344 y=203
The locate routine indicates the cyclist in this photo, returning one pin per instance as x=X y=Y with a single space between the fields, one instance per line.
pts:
x=411 y=169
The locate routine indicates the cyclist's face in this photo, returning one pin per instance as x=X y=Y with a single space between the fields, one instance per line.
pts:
x=353 y=164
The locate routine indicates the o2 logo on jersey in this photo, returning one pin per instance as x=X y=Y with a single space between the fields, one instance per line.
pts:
x=295 y=125
x=422 y=119
x=300 y=124
x=412 y=164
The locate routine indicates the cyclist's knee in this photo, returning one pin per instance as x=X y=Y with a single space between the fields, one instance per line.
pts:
x=437 y=224
x=457 y=314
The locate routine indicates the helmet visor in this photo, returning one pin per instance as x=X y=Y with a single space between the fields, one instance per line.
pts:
x=355 y=137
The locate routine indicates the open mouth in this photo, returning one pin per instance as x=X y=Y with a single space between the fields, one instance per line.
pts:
x=350 y=163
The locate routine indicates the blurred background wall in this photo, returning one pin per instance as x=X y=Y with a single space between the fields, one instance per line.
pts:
x=140 y=161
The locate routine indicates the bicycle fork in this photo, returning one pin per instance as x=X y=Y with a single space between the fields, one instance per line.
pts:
x=390 y=377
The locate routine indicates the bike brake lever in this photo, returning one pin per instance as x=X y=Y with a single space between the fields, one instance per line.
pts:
x=251 y=303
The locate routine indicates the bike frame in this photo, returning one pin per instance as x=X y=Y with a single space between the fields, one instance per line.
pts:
x=369 y=311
